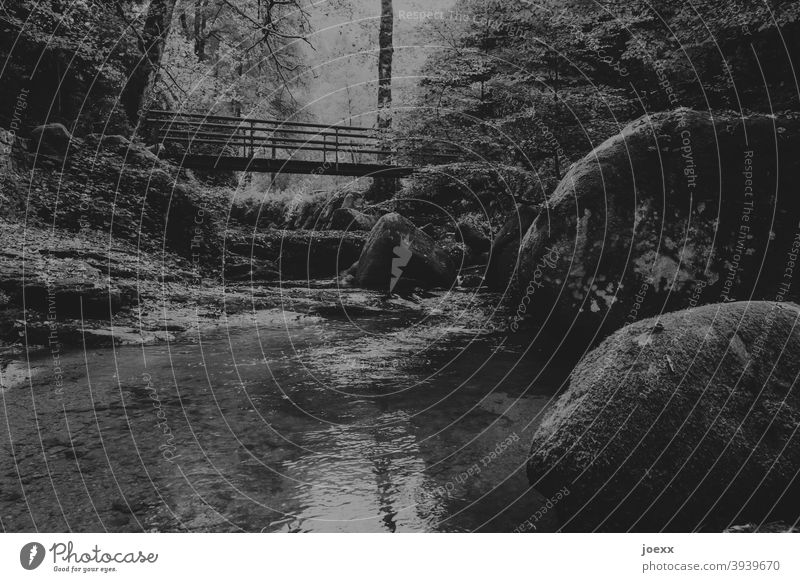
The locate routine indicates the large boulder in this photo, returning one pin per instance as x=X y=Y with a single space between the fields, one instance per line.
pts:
x=398 y=255
x=52 y=139
x=351 y=219
x=319 y=254
x=504 y=255
x=133 y=152
x=468 y=186
x=65 y=297
x=685 y=422
x=249 y=268
x=472 y=236
x=678 y=209
x=298 y=254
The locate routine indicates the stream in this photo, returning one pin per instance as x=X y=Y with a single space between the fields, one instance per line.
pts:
x=369 y=424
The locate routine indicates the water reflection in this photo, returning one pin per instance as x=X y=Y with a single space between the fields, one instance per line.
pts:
x=327 y=427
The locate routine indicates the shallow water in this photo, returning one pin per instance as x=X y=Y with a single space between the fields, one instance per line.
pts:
x=372 y=424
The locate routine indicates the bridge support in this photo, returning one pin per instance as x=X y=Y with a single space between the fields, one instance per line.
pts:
x=273 y=166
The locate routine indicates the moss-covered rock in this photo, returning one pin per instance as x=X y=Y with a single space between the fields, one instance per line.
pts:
x=685 y=422
x=443 y=191
x=296 y=254
x=51 y=139
x=472 y=236
x=398 y=255
x=681 y=208
x=119 y=189
x=351 y=219
x=504 y=255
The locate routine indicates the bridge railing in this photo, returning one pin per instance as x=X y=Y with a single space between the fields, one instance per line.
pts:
x=195 y=133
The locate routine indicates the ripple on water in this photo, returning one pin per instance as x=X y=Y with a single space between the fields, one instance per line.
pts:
x=326 y=426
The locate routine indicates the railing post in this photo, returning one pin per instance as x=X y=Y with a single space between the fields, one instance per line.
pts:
x=241 y=131
x=324 y=148
x=336 y=145
x=252 y=139
x=272 y=141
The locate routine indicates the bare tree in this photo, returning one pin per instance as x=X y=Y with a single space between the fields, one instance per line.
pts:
x=200 y=21
x=139 y=88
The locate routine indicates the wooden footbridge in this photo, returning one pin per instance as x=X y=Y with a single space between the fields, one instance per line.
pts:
x=219 y=142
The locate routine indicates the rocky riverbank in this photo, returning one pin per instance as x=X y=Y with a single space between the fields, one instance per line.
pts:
x=683 y=421
x=104 y=242
x=61 y=289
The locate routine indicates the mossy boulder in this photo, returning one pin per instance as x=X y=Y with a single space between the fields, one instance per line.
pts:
x=244 y=268
x=68 y=297
x=126 y=195
x=504 y=255
x=442 y=193
x=685 y=422
x=295 y=254
x=679 y=209
x=51 y=139
x=472 y=236
x=398 y=255
x=351 y=219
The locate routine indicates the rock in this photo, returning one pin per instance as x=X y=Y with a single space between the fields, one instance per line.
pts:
x=505 y=247
x=471 y=281
x=326 y=213
x=240 y=268
x=310 y=222
x=472 y=237
x=140 y=154
x=52 y=139
x=349 y=201
x=317 y=254
x=255 y=247
x=118 y=143
x=66 y=298
x=395 y=240
x=684 y=422
x=299 y=254
x=429 y=229
x=679 y=209
x=468 y=186
x=302 y=213
x=352 y=269
x=349 y=219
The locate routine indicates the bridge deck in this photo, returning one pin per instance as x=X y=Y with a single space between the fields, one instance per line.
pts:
x=216 y=142
x=279 y=166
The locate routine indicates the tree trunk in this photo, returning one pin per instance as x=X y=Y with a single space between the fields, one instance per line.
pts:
x=383 y=188
x=200 y=11
x=385 y=76
x=139 y=88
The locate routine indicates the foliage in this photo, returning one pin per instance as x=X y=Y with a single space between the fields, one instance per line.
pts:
x=235 y=57
x=72 y=57
x=77 y=56
x=127 y=194
x=540 y=83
